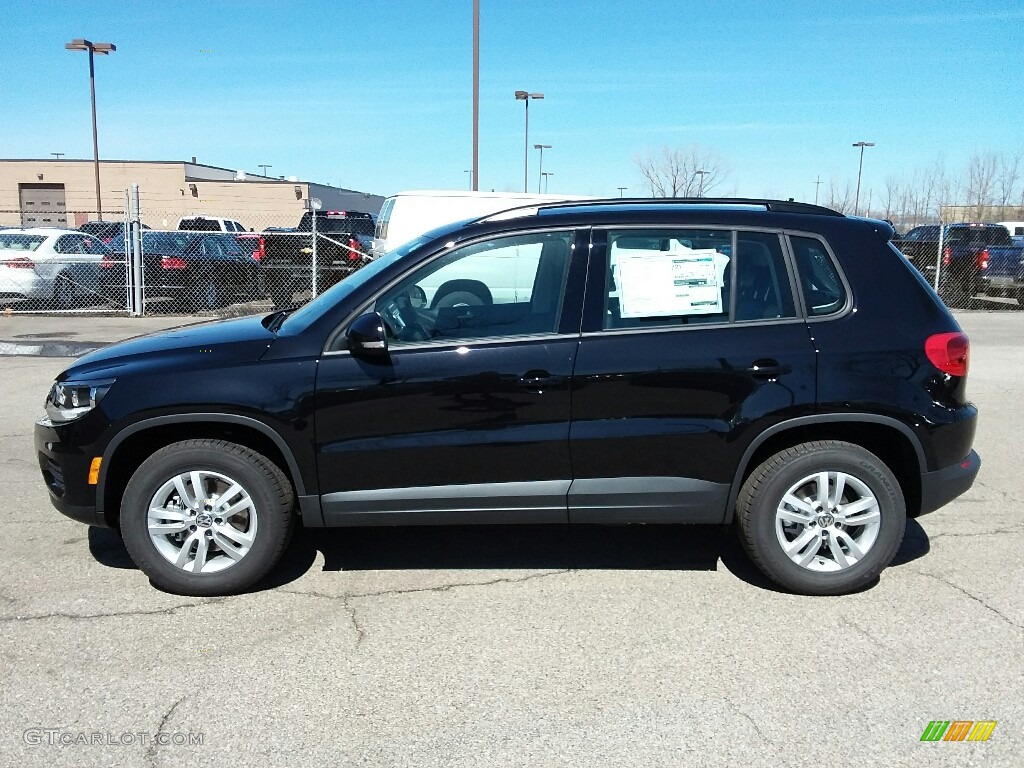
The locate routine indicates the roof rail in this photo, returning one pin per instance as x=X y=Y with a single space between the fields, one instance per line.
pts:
x=780 y=206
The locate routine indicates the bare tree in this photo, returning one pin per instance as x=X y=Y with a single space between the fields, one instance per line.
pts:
x=892 y=197
x=1009 y=174
x=981 y=181
x=691 y=171
x=840 y=199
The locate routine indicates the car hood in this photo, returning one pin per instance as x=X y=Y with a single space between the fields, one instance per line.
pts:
x=186 y=348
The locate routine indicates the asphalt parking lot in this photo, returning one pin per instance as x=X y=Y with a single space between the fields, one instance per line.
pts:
x=502 y=646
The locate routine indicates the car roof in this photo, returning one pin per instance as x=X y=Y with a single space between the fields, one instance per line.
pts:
x=44 y=231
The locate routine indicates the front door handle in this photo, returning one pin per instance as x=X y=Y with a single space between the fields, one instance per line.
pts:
x=538 y=380
x=768 y=368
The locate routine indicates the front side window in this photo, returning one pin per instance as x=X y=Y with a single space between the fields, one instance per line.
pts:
x=692 y=276
x=508 y=286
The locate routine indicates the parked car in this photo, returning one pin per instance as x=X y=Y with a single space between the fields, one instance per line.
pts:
x=197 y=270
x=60 y=266
x=773 y=364
x=105 y=231
x=344 y=239
x=200 y=223
x=1003 y=271
x=964 y=259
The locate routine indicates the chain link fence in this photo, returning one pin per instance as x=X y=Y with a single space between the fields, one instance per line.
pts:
x=221 y=265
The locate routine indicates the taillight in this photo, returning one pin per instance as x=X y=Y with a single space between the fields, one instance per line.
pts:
x=983 y=259
x=949 y=352
x=19 y=262
x=947 y=256
x=172 y=262
x=353 y=245
x=108 y=262
x=261 y=250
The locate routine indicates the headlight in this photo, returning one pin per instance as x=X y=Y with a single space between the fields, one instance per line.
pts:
x=70 y=400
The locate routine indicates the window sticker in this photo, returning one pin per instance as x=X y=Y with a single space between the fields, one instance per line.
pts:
x=671 y=283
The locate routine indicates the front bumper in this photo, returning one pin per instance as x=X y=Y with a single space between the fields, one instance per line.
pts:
x=65 y=472
x=942 y=486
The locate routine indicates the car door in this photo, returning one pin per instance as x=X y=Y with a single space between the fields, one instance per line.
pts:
x=466 y=418
x=692 y=344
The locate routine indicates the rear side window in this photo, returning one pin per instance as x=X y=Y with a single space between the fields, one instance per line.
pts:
x=693 y=276
x=819 y=279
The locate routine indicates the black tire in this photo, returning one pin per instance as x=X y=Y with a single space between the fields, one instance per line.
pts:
x=763 y=492
x=63 y=292
x=273 y=501
x=280 y=294
x=462 y=293
x=206 y=295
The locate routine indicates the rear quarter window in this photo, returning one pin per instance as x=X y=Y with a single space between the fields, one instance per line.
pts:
x=823 y=290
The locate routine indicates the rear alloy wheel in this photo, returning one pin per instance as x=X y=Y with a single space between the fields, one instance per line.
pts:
x=822 y=518
x=206 y=517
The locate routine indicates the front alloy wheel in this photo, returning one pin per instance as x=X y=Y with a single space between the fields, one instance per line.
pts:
x=202 y=521
x=206 y=517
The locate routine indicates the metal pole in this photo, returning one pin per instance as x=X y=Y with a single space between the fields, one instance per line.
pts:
x=476 y=95
x=817 y=185
x=139 y=307
x=860 y=169
x=526 y=146
x=938 y=255
x=313 y=212
x=540 y=168
x=95 y=139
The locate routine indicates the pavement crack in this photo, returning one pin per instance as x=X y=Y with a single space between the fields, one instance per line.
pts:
x=757 y=729
x=152 y=744
x=439 y=588
x=975 y=598
x=354 y=618
x=113 y=614
x=860 y=630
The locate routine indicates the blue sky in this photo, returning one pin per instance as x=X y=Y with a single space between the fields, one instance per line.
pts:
x=377 y=96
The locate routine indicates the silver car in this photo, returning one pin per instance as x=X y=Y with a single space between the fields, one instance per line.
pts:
x=61 y=266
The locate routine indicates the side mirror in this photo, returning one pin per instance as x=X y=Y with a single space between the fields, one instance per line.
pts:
x=368 y=336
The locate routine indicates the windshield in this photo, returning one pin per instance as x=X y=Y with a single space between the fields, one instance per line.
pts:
x=306 y=315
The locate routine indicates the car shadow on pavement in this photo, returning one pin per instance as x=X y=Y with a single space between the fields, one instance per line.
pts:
x=477 y=547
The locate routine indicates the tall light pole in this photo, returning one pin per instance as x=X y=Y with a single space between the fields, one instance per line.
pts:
x=525 y=96
x=58 y=155
x=540 y=163
x=621 y=190
x=475 y=175
x=472 y=186
x=860 y=169
x=546 y=175
x=264 y=166
x=78 y=44
x=700 y=184
x=817 y=186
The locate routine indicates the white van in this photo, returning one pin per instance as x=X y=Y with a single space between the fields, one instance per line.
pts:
x=1015 y=228
x=410 y=214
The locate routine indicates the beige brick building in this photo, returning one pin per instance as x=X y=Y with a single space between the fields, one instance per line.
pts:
x=61 y=192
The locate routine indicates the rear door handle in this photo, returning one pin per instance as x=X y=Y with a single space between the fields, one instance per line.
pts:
x=768 y=368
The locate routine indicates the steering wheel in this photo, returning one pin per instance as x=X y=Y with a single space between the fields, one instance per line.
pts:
x=403 y=316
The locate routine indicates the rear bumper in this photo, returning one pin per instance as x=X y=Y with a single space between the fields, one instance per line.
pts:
x=942 y=486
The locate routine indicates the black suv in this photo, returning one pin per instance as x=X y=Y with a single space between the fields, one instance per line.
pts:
x=775 y=364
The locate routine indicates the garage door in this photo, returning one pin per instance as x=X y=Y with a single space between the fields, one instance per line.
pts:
x=42 y=205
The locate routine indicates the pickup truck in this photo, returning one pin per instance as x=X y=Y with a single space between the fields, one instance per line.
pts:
x=966 y=259
x=343 y=242
x=1004 y=273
